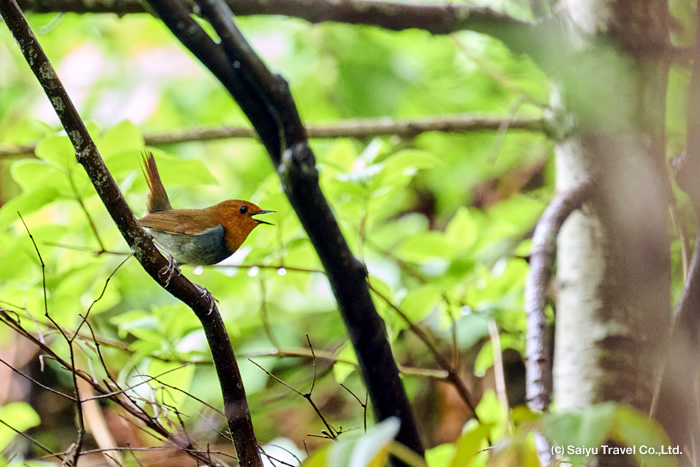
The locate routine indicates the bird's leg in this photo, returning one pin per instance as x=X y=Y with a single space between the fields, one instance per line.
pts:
x=207 y=294
x=167 y=272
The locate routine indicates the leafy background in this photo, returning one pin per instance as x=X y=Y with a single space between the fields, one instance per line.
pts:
x=442 y=222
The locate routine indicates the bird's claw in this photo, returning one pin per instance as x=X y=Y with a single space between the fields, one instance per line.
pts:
x=205 y=293
x=168 y=272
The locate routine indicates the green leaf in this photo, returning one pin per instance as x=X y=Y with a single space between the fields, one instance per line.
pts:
x=440 y=455
x=175 y=374
x=342 y=370
x=592 y=427
x=492 y=414
x=122 y=137
x=502 y=286
x=471 y=327
x=20 y=416
x=33 y=174
x=318 y=458
x=57 y=151
x=420 y=302
x=175 y=328
x=405 y=164
x=462 y=230
x=520 y=211
x=580 y=429
x=425 y=246
x=516 y=449
x=649 y=440
x=26 y=203
x=133 y=320
x=469 y=444
x=368 y=450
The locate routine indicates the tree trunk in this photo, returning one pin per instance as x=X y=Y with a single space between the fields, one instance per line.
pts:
x=613 y=271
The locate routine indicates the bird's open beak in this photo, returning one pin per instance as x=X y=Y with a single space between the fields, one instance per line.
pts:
x=262 y=212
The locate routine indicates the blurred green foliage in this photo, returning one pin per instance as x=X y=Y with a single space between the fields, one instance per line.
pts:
x=442 y=222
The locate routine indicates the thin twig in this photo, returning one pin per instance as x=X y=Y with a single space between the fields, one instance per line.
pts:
x=153 y=262
x=43 y=386
x=362 y=404
x=264 y=317
x=32 y=440
x=156 y=430
x=499 y=374
x=134 y=386
x=94 y=302
x=79 y=199
x=442 y=361
x=74 y=451
x=331 y=432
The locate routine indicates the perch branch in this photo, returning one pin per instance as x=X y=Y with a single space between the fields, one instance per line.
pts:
x=295 y=163
x=203 y=305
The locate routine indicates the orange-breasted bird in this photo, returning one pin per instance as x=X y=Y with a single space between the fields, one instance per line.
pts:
x=196 y=236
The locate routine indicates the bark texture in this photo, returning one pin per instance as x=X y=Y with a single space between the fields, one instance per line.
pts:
x=613 y=256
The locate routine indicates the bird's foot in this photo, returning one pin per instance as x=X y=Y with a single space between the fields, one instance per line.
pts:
x=205 y=293
x=168 y=272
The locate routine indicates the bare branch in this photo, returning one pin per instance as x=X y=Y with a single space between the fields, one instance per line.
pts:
x=331 y=432
x=435 y=18
x=74 y=451
x=32 y=440
x=266 y=100
x=43 y=386
x=360 y=128
x=539 y=364
x=203 y=305
x=538 y=360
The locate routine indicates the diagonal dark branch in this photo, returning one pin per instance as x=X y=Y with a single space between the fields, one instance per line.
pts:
x=235 y=404
x=296 y=166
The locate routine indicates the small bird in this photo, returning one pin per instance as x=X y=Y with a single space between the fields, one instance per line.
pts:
x=196 y=236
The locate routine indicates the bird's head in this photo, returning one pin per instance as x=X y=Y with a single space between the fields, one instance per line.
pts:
x=238 y=218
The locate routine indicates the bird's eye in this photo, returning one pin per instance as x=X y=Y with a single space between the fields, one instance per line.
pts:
x=243 y=209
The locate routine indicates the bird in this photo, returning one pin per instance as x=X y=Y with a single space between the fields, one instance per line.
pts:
x=195 y=236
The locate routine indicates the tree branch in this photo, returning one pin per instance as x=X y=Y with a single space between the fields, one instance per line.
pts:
x=203 y=305
x=538 y=361
x=295 y=163
x=358 y=128
x=434 y=18
x=544 y=242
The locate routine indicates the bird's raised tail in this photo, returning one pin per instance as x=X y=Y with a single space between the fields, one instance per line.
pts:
x=157 y=198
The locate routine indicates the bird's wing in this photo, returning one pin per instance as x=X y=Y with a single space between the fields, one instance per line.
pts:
x=179 y=221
